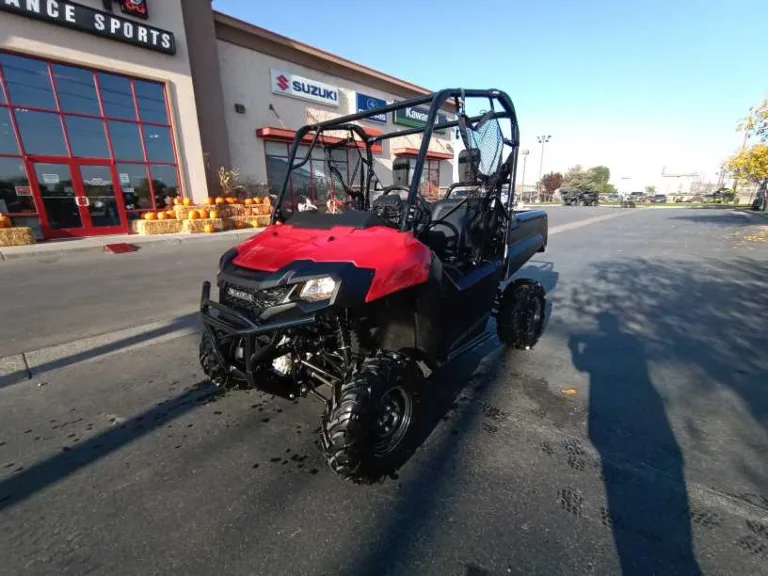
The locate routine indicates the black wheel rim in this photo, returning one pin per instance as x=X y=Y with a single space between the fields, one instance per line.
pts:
x=535 y=317
x=392 y=419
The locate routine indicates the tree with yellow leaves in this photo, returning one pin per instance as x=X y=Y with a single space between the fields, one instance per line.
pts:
x=756 y=123
x=750 y=163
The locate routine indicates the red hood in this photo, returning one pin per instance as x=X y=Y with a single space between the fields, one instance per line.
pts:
x=397 y=258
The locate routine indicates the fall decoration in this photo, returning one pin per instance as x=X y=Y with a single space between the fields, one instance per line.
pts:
x=203 y=214
x=213 y=214
x=220 y=201
x=176 y=202
x=153 y=227
x=187 y=202
x=248 y=201
x=162 y=216
x=170 y=214
x=208 y=228
x=5 y=222
x=193 y=215
x=210 y=201
x=19 y=236
x=150 y=216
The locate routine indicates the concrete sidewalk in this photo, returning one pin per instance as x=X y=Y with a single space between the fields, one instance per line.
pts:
x=97 y=243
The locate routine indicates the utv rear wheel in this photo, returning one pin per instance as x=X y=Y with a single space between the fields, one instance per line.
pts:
x=363 y=432
x=210 y=364
x=521 y=315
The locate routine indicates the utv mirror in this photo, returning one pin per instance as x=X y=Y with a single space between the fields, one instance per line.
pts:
x=400 y=169
x=469 y=162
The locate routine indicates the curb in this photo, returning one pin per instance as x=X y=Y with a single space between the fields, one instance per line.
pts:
x=35 y=363
x=95 y=244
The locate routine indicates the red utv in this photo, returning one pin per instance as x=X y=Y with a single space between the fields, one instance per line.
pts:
x=356 y=300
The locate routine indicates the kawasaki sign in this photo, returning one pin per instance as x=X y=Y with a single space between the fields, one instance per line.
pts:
x=416 y=117
x=296 y=86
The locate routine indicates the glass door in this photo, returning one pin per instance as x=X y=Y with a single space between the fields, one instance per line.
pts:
x=79 y=199
x=60 y=200
x=99 y=198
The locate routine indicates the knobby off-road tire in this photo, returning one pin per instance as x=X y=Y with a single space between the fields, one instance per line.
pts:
x=211 y=366
x=364 y=431
x=521 y=315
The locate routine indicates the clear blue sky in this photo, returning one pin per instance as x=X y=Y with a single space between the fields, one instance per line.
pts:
x=633 y=84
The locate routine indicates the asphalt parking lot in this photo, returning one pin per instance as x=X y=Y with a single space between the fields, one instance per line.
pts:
x=633 y=438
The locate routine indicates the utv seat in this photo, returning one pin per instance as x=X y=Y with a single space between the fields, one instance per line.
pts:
x=447 y=233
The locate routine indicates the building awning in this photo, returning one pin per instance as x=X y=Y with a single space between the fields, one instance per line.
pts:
x=414 y=152
x=283 y=135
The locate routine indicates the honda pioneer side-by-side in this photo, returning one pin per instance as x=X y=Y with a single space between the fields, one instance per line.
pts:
x=357 y=291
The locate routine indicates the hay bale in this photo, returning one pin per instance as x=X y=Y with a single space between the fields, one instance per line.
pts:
x=152 y=227
x=197 y=226
x=16 y=236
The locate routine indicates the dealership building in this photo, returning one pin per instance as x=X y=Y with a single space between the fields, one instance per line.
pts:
x=110 y=109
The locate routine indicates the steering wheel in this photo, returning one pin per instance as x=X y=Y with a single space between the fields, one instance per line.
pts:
x=422 y=221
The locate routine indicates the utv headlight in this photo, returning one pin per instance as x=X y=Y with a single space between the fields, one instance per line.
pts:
x=318 y=289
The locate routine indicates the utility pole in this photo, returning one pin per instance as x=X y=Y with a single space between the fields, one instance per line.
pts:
x=543 y=139
x=525 y=160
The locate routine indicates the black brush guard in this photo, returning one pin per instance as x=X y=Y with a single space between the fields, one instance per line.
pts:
x=235 y=326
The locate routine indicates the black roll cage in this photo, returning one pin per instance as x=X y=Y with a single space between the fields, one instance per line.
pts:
x=436 y=100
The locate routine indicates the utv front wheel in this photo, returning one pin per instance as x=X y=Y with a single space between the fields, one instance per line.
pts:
x=210 y=363
x=363 y=432
x=521 y=315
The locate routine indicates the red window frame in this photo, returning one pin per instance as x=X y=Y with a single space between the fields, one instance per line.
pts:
x=24 y=157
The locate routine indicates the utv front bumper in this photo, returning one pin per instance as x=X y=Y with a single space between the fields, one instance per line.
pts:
x=227 y=327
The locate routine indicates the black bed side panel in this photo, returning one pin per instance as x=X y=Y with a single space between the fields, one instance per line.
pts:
x=527 y=236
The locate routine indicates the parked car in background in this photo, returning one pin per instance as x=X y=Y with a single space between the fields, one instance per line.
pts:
x=659 y=199
x=613 y=198
x=638 y=197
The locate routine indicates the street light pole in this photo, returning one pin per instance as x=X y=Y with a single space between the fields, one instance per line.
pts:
x=543 y=139
x=525 y=161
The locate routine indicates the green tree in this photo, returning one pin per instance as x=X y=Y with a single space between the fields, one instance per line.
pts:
x=593 y=180
x=650 y=190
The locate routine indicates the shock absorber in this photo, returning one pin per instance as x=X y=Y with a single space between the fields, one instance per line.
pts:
x=344 y=342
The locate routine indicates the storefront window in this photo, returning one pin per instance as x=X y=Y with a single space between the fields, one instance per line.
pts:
x=158 y=142
x=126 y=141
x=15 y=193
x=313 y=181
x=8 y=144
x=151 y=98
x=102 y=116
x=87 y=137
x=165 y=184
x=117 y=96
x=76 y=89
x=135 y=186
x=429 y=186
x=41 y=133
x=28 y=82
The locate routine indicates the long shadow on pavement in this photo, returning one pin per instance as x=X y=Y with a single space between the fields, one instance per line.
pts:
x=25 y=484
x=648 y=524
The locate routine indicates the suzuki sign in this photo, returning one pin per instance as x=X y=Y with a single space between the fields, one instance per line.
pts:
x=287 y=84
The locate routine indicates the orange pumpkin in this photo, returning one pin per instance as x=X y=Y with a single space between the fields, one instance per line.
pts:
x=5 y=221
x=170 y=214
x=203 y=213
x=248 y=201
x=150 y=216
x=162 y=216
x=229 y=200
x=187 y=202
x=220 y=201
x=193 y=215
x=267 y=201
x=209 y=201
x=278 y=223
x=176 y=202
x=255 y=224
x=209 y=228
x=214 y=214
x=257 y=200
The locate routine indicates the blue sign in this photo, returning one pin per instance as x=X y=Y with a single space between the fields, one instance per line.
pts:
x=365 y=103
